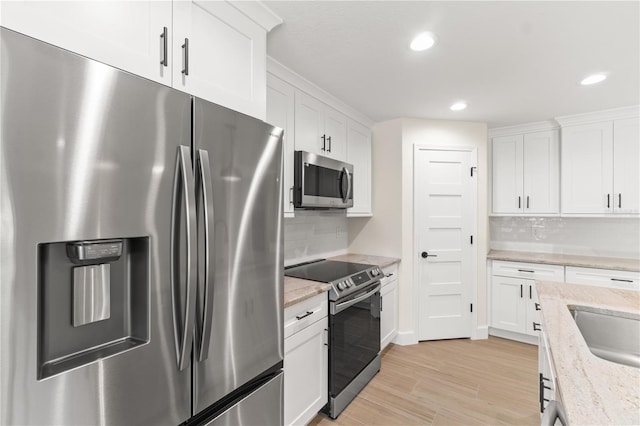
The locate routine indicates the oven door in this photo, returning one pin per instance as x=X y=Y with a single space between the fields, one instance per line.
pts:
x=355 y=336
x=322 y=182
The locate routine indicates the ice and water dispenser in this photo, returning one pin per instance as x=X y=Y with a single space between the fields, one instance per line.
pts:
x=93 y=301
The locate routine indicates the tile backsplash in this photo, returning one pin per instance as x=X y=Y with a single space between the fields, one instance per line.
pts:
x=313 y=234
x=613 y=237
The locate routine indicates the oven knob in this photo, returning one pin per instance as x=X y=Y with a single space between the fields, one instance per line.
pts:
x=375 y=272
x=341 y=286
x=349 y=283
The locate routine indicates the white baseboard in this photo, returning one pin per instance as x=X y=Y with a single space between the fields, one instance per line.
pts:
x=405 y=338
x=524 y=338
x=482 y=332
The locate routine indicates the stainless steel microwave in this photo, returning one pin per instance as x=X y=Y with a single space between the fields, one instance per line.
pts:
x=321 y=182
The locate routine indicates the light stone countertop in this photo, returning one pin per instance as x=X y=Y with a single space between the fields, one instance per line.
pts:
x=296 y=289
x=614 y=263
x=593 y=390
x=367 y=259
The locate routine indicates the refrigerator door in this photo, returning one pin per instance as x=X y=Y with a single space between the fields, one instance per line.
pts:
x=260 y=407
x=245 y=254
x=88 y=155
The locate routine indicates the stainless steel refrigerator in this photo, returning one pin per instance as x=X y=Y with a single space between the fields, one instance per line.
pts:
x=141 y=250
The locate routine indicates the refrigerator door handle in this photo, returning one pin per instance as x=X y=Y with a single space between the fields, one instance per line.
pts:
x=206 y=187
x=183 y=185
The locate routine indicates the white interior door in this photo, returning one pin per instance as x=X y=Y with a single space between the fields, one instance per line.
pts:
x=444 y=217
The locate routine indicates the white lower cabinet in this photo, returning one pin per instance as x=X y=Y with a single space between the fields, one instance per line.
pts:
x=389 y=306
x=514 y=301
x=625 y=280
x=306 y=360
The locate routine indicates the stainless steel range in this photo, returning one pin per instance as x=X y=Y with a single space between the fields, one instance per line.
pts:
x=354 y=325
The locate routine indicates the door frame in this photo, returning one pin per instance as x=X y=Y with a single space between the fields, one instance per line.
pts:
x=473 y=332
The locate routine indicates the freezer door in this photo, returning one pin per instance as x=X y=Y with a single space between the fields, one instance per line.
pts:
x=87 y=153
x=261 y=407
x=245 y=255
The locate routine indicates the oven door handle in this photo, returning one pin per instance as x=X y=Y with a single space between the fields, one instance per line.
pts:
x=339 y=307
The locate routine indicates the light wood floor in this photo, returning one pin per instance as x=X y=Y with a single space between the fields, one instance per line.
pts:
x=449 y=382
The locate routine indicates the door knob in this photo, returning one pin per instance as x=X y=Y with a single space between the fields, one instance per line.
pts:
x=424 y=255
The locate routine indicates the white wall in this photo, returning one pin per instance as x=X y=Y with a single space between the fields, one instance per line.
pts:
x=390 y=231
x=314 y=234
x=609 y=237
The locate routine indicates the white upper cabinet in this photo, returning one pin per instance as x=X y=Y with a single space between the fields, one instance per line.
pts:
x=626 y=166
x=319 y=128
x=129 y=35
x=280 y=112
x=215 y=50
x=219 y=55
x=507 y=174
x=600 y=158
x=587 y=168
x=359 y=154
x=525 y=173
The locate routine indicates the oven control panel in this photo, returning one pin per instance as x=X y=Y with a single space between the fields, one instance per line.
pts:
x=345 y=286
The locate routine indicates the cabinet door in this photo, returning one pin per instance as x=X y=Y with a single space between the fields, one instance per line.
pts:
x=587 y=168
x=123 y=34
x=507 y=174
x=306 y=361
x=541 y=174
x=508 y=310
x=335 y=128
x=280 y=112
x=309 y=127
x=388 y=313
x=533 y=315
x=225 y=59
x=626 y=166
x=359 y=154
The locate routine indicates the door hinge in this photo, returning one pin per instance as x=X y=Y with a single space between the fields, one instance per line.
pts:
x=471 y=307
x=473 y=169
x=471 y=239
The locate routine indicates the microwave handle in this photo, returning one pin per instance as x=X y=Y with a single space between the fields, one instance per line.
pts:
x=346 y=194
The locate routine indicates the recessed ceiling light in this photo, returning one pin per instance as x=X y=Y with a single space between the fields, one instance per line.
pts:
x=458 y=106
x=593 y=79
x=423 y=41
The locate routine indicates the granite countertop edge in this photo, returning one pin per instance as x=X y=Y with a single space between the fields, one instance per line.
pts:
x=592 y=390
x=597 y=262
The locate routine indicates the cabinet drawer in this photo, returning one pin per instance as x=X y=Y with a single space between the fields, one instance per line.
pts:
x=305 y=313
x=604 y=278
x=390 y=274
x=534 y=271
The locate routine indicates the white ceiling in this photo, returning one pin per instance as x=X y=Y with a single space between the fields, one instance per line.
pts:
x=513 y=62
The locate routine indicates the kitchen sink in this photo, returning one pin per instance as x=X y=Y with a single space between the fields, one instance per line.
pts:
x=610 y=335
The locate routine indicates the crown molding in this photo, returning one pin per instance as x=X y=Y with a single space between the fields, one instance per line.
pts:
x=282 y=72
x=598 y=116
x=258 y=12
x=538 y=126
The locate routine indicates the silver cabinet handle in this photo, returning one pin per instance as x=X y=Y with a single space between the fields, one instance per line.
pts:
x=165 y=42
x=185 y=47
x=183 y=187
x=329 y=141
x=526 y=270
x=608 y=201
x=621 y=280
x=291 y=195
x=527 y=201
x=324 y=142
x=519 y=202
x=619 y=200
x=204 y=186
